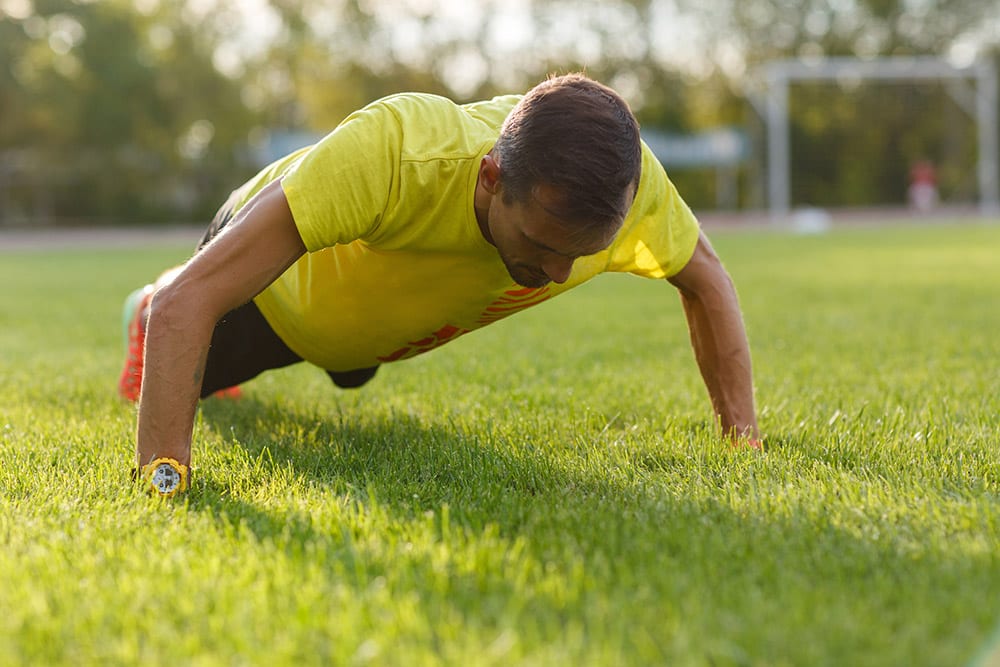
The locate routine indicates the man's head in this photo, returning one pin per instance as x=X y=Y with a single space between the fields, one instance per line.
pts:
x=566 y=165
x=579 y=137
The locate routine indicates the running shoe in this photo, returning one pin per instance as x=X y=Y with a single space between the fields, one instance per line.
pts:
x=134 y=329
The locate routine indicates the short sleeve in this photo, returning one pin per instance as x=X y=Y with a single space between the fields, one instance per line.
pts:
x=660 y=232
x=339 y=189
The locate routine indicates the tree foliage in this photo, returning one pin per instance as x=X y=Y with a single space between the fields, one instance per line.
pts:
x=854 y=143
x=147 y=110
x=113 y=113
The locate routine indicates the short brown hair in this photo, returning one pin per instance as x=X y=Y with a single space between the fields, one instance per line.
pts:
x=580 y=136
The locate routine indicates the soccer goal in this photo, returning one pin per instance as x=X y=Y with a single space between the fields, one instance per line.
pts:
x=975 y=91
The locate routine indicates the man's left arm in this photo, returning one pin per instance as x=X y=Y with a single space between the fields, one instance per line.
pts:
x=720 y=342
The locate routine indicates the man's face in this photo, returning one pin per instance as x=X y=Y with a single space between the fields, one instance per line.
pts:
x=536 y=246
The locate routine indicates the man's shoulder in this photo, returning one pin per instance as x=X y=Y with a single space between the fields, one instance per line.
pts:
x=415 y=107
x=414 y=102
x=425 y=127
x=493 y=111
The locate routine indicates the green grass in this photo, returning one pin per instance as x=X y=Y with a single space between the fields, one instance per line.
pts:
x=546 y=491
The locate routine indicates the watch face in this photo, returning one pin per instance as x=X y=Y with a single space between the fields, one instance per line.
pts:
x=166 y=479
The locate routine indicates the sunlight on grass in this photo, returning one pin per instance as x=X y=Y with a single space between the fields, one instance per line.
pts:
x=549 y=490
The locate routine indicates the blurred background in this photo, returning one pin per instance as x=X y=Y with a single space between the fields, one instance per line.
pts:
x=146 y=112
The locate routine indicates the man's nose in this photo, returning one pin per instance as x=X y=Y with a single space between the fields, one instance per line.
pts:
x=558 y=268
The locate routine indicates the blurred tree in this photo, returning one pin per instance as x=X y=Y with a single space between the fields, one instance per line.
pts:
x=328 y=61
x=145 y=109
x=113 y=113
x=853 y=143
x=763 y=30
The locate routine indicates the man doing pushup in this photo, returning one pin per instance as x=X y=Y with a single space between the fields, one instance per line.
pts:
x=418 y=220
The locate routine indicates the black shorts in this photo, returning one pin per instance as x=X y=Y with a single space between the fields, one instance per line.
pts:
x=244 y=345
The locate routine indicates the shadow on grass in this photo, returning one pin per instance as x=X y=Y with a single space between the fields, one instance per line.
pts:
x=652 y=552
x=398 y=456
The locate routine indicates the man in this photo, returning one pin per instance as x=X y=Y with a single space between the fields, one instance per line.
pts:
x=415 y=221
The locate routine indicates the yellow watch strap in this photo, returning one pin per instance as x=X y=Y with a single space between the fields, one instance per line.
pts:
x=166 y=477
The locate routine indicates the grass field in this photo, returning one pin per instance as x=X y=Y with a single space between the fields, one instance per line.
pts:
x=546 y=491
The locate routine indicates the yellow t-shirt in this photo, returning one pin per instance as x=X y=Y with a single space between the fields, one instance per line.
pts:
x=396 y=262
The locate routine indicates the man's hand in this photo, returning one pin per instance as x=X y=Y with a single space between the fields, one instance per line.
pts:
x=720 y=342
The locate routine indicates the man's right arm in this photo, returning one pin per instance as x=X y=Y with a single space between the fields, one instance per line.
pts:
x=719 y=340
x=251 y=252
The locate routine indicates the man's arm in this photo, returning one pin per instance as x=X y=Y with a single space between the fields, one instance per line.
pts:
x=250 y=253
x=719 y=341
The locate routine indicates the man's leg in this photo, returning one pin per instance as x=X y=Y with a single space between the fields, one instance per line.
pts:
x=243 y=346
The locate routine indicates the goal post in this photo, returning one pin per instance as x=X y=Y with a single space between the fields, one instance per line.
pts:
x=980 y=103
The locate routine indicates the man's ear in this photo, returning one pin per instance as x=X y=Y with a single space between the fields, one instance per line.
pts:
x=489 y=174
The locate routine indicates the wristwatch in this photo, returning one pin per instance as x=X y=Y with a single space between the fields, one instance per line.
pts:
x=166 y=477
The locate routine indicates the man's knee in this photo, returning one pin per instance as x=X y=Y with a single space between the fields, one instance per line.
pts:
x=352 y=379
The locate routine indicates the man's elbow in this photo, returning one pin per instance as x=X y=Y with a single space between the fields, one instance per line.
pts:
x=715 y=287
x=178 y=310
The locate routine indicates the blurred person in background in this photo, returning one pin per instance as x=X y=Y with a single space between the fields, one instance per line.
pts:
x=923 y=192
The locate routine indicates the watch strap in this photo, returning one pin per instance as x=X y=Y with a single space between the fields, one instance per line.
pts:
x=166 y=477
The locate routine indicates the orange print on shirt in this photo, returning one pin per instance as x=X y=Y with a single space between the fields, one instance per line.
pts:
x=436 y=339
x=512 y=301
